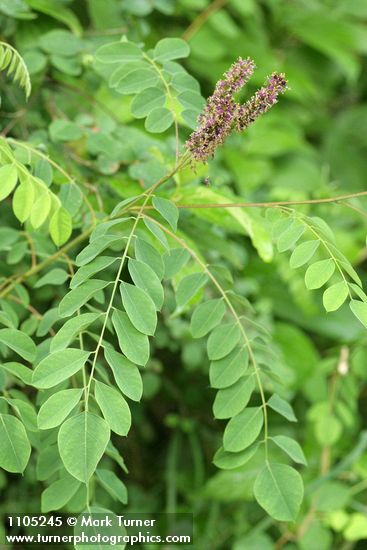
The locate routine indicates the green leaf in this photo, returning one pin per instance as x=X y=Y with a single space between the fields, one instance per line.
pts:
x=11 y=60
x=60 y=226
x=56 y=276
x=26 y=412
x=303 y=253
x=146 y=253
x=243 y=429
x=229 y=461
x=171 y=48
x=114 y=408
x=146 y=101
x=291 y=447
x=335 y=296
x=231 y=401
x=168 y=211
x=174 y=260
x=82 y=441
x=222 y=340
x=328 y=429
x=133 y=343
x=319 y=273
x=19 y=342
x=71 y=329
x=192 y=100
x=59 y=493
x=19 y=371
x=206 y=317
x=279 y=490
x=359 y=309
x=86 y=271
x=189 y=286
x=290 y=236
x=57 y=407
x=8 y=180
x=48 y=462
x=40 y=209
x=159 y=120
x=139 y=307
x=157 y=232
x=282 y=407
x=64 y=130
x=119 y=52
x=61 y=42
x=67 y=65
x=23 y=200
x=126 y=374
x=227 y=371
x=113 y=485
x=76 y=298
x=58 y=12
x=15 y=449
x=58 y=366
x=95 y=247
x=137 y=81
x=145 y=278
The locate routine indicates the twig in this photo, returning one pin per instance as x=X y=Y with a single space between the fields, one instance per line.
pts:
x=201 y=19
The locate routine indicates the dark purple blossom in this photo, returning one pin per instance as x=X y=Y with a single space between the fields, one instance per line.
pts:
x=222 y=114
x=261 y=102
x=217 y=120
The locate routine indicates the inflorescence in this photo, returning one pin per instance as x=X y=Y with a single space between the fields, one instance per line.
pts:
x=222 y=114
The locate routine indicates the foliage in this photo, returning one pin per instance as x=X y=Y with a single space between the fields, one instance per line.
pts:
x=133 y=278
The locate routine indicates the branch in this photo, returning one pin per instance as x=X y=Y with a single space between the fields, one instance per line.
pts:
x=273 y=204
x=201 y=19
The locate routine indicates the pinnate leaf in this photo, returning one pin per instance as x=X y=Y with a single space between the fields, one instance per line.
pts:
x=58 y=366
x=230 y=401
x=133 y=343
x=319 y=273
x=243 y=429
x=82 y=441
x=206 y=317
x=335 y=296
x=139 y=307
x=8 y=180
x=360 y=311
x=303 y=253
x=282 y=407
x=15 y=449
x=291 y=447
x=114 y=408
x=171 y=48
x=57 y=407
x=279 y=490
x=77 y=297
x=126 y=374
x=222 y=340
x=145 y=278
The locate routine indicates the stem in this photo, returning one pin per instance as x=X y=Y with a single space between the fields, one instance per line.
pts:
x=148 y=195
x=202 y=18
x=234 y=314
x=169 y=94
x=274 y=204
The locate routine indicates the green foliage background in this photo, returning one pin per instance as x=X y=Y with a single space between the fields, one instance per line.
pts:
x=312 y=145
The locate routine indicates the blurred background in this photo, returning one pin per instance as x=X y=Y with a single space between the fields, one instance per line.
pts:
x=313 y=144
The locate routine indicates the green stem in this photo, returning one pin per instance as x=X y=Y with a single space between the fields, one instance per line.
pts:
x=235 y=316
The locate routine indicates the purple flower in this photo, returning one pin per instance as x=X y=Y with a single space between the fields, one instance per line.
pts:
x=261 y=102
x=222 y=114
x=217 y=120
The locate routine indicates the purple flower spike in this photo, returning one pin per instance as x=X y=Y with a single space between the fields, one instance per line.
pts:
x=217 y=120
x=261 y=102
x=222 y=114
